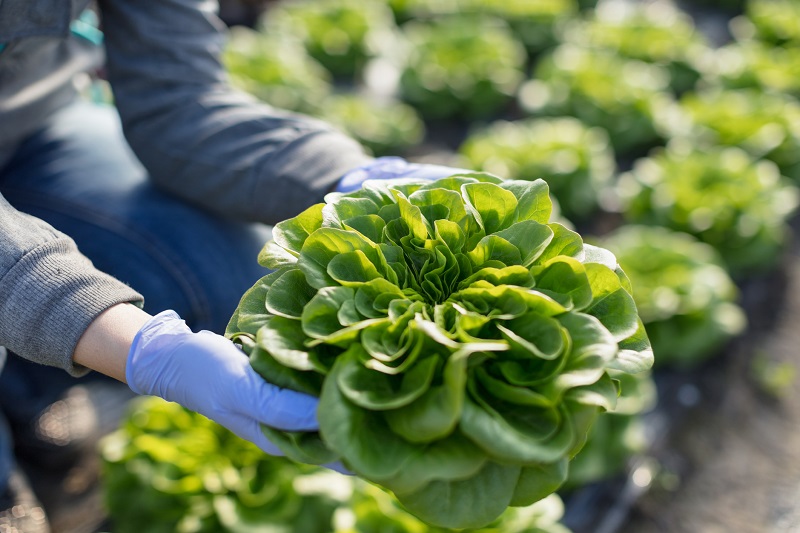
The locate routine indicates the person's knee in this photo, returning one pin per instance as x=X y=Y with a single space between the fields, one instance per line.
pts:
x=238 y=270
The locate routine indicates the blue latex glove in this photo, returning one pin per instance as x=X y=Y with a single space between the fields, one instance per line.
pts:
x=208 y=374
x=393 y=168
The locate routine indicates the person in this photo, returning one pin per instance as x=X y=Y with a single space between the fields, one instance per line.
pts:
x=129 y=233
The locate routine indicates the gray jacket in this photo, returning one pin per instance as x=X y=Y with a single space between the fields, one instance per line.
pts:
x=197 y=137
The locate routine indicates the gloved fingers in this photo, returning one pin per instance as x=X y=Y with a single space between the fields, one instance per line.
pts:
x=228 y=385
x=421 y=173
x=432 y=172
x=208 y=374
x=338 y=467
x=250 y=430
x=381 y=168
x=283 y=408
x=395 y=170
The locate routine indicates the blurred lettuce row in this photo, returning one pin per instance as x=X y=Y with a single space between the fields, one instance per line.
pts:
x=721 y=195
x=685 y=296
x=534 y=22
x=452 y=323
x=343 y=35
x=628 y=98
x=618 y=436
x=775 y=22
x=654 y=32
x=765 y=53
x=753 y=64
x=449 y=73
x=576 y=161
x=384 y=126
x=276 y=70
x=765 y=125
x=167 y=469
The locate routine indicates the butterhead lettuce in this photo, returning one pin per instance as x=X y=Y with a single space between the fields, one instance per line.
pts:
x=459 y=342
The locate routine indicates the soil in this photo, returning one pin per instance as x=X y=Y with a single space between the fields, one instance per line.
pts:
x=72 y=492
x=725 y=437
x=732 y=462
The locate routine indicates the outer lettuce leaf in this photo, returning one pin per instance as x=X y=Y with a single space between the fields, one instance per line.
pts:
x=467 y=502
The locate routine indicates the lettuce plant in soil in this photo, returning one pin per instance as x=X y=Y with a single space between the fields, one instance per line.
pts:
x=766 y=125
x=167 y=470
x=656 y=32
x=628 y=98
x=449 y=73
x=343 y=35
x=775 y=22
x=753 y=64
x=615 y=437
x=459 y=343
x=275 y=69
x=720 y=195
x=382 y=126
x=576 y=161
x=685 y=296
x=533 y=22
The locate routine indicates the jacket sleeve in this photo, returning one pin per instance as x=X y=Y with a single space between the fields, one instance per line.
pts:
x=199 y=138
x=49 y=292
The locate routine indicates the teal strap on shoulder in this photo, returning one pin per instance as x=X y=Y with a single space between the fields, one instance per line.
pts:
x=87 y=27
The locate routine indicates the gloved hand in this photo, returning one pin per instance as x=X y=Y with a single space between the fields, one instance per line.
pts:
x=393 y=168
x=208 y=374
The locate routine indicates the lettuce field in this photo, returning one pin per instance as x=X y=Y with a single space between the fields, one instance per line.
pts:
x=592 y=331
